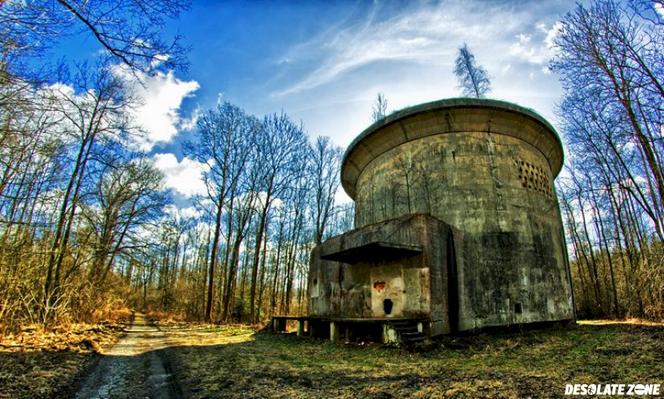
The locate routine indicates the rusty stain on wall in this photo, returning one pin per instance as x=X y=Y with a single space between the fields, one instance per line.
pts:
x=379 y=285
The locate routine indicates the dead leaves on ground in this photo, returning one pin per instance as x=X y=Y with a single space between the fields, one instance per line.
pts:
x=37 y=362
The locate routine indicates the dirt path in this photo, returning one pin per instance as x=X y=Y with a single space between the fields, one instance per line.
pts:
x=134 y=368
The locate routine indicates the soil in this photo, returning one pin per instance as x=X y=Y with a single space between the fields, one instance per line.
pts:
x=135 y=367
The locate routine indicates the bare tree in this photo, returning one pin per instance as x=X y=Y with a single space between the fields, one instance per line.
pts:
x=379 y=110
x=129 y=32
x=84 y=218
x=610 y=63
x=225 y=141
x=127 y=194
x=324 y=171
x=473 y=79
x=241 y=209
x=88 y=115
x=282 y=149
x=604 y=49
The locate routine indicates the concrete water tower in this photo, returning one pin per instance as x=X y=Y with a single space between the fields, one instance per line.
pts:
x=457 y=226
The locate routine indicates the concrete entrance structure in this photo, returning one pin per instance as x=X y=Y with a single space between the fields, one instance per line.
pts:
x=457 y=225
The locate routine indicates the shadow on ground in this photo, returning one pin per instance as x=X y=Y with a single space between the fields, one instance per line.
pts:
x=234 y=362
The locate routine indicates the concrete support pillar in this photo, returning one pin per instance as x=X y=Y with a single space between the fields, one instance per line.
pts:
x=300 y=327
x=275 y=325
x=389 y=334
x=334 y=331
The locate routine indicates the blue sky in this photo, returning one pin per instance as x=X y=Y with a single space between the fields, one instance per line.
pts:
x=323 y=62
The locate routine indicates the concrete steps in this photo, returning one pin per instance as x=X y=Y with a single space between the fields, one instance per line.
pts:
x=408 y=332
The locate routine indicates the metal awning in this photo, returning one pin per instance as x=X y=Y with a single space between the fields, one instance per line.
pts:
x=373 y=252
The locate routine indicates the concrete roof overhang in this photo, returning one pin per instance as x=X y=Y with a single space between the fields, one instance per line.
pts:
x=373 y=252
x=450 y=116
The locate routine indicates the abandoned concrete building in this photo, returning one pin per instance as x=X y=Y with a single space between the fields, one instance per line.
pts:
x=457 y=227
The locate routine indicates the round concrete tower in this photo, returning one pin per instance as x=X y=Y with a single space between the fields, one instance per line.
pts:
x=486 y=168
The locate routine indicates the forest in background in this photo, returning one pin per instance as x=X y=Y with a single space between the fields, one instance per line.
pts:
x=87 y=229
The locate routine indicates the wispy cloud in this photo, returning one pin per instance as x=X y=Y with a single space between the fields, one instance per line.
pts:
x=424 y=33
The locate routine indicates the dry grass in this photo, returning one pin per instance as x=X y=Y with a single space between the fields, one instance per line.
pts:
x=164 y=317
x=110 y=315
x=234 y=362
x=43 y=363
x=629 y=321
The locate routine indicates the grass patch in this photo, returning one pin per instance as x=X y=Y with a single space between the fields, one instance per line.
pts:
x=234 y=362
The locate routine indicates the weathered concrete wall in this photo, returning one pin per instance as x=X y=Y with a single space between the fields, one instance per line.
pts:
x=486 y=168
x=415 y=282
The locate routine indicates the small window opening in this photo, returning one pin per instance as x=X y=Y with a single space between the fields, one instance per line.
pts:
x=517 y=308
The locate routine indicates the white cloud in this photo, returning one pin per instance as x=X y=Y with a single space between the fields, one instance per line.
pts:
x=552 y=33
x=340 y=197
x=188 y=212
x=524 y=50
x=184 y=177
x=190 y=123
x=540 y=50
x=160 y=97
x=659 y=7
x=159 y=59
x=145 y=232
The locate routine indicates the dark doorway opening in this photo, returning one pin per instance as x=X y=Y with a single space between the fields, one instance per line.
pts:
x=517 y=308
x=387 y=306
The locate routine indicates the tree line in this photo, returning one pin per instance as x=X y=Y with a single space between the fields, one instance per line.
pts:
x=85 y=222
x=86 y=226
x=270 y=199
x=610 y=60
